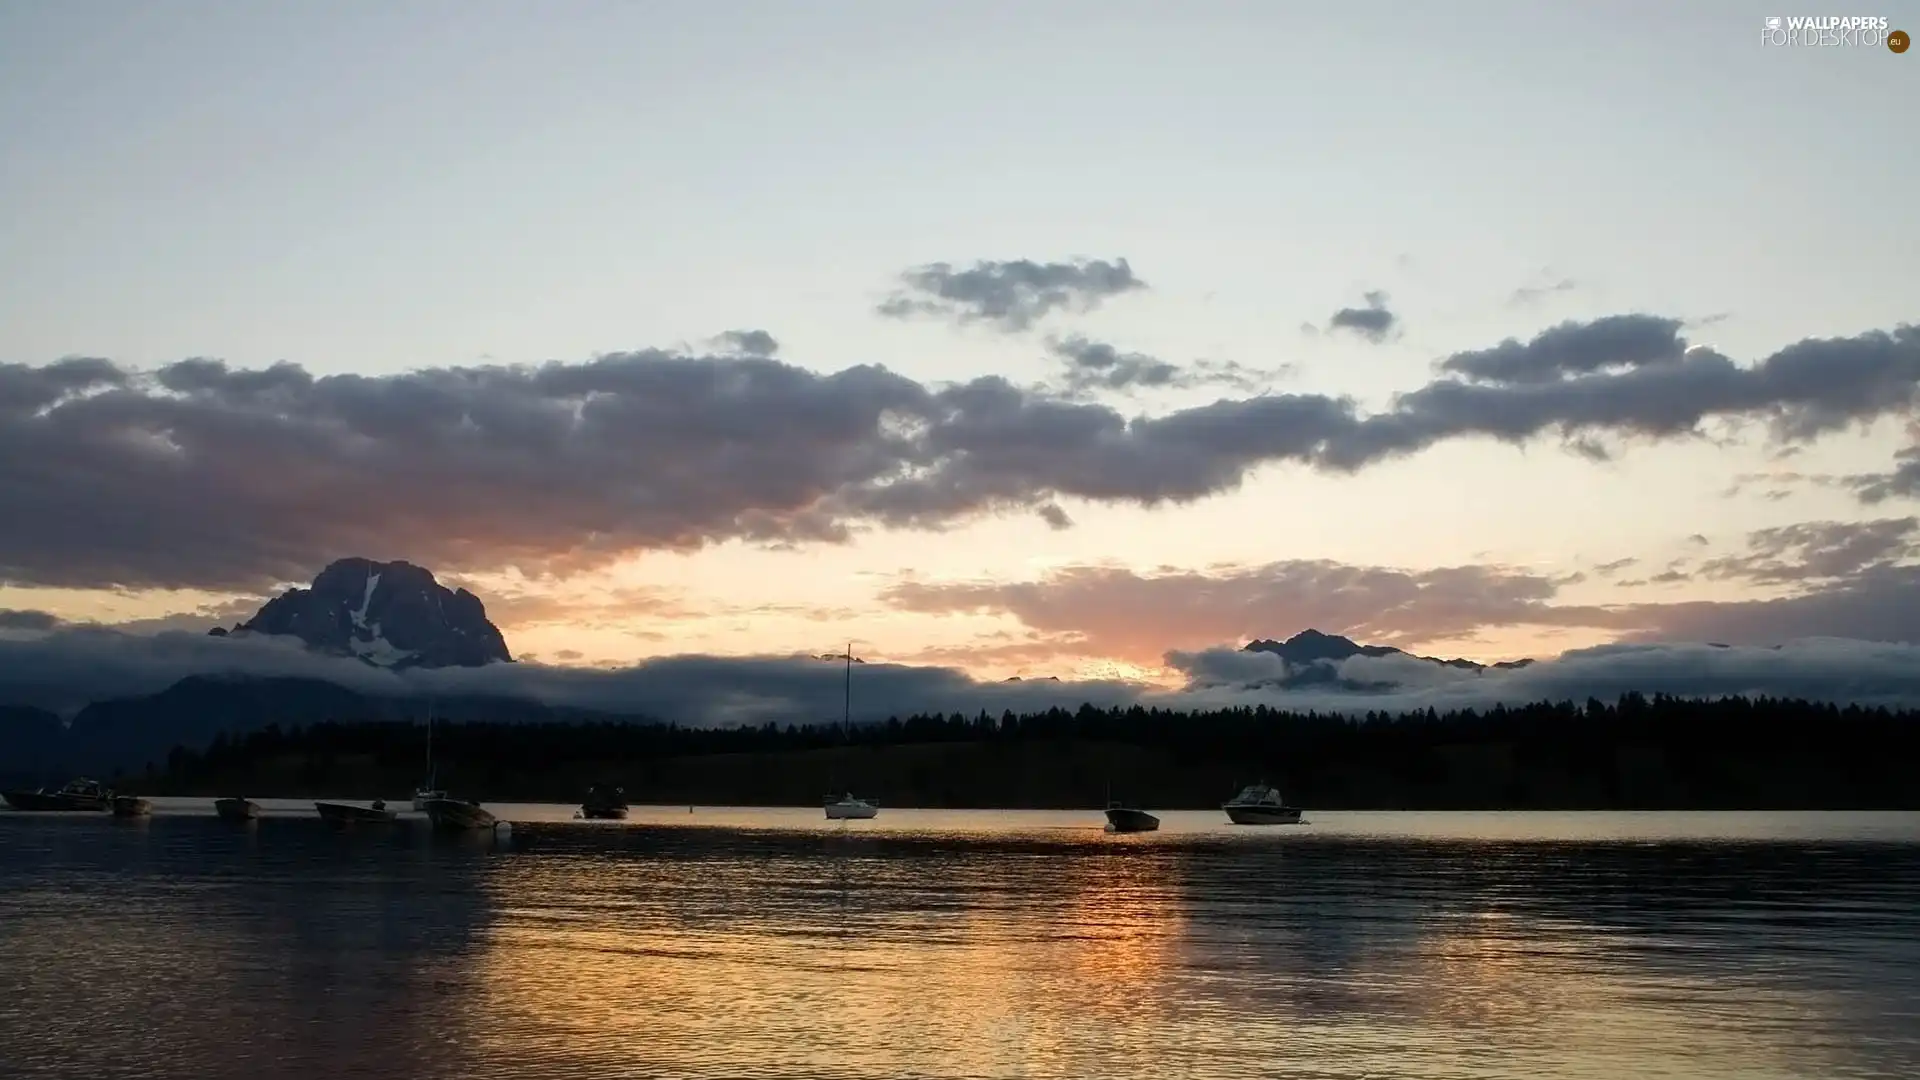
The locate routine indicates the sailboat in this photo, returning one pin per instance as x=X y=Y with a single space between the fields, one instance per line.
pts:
x=846 y=807
x=426 y=793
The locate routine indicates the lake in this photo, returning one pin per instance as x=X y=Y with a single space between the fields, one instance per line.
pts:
x=771 y=943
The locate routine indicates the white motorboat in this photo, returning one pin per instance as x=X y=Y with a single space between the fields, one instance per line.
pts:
x=1260 y=804
x=846 y=807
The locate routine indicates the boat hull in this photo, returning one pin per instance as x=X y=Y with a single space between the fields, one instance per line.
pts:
x=1124 y=820
x=54 y=800
x=1262 y=815
x=236 y=809
x=349 y=814
x=130 y=806
x=452 y=815
x=604 y=813
x=851 y=811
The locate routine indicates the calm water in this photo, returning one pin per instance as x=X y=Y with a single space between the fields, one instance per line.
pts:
x=735 y=943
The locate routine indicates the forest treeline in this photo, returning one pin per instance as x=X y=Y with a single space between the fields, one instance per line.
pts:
x=1636 y=752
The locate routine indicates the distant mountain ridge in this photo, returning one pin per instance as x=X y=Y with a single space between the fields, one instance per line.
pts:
x=391 y=615
x=132 y=732
x=1314 y=659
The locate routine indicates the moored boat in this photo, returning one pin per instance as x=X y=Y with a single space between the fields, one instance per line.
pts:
x=1260 y=804
x=846 y=807
x=80 y=794
x=131 y=806
x=236 y=809
x=459 y=815
x=428 y=792
x=1129 y=819
x=351 y=814
x=609 y=803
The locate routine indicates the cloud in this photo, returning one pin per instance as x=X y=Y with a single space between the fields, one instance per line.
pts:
x=1547 y=285
x=198 y=475
x=1373 y=322
x=1573 y=348
x=67 y=667
x=1113 y=611
x=1633 y=375
x=748 y=343
x=1778 y=484
x=1817 y=550
x=1607 y=569
x=13 y=619
x=1094 y=366
x=602 y=606
x=1847 y=579
x=1881 y=603
x=1819 y=669
x=1009 y=295
x=1902 y=482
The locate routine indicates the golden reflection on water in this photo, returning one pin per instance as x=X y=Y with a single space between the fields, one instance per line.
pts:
x=597 y=962
x=1093 y=965
x=288 y=950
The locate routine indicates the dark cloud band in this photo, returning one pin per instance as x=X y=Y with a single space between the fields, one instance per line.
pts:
x=201 y=475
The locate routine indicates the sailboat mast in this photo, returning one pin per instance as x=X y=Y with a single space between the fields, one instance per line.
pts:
x=846 y=715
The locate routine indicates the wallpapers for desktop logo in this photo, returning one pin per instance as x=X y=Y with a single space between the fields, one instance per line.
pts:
x=1871 y=31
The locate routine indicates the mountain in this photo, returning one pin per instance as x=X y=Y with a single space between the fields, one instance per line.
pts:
x=1314 y=658
x=390 y=614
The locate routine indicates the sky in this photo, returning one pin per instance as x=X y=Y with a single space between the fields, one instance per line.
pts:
x=1067 y=339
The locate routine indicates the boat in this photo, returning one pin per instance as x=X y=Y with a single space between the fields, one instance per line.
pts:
x=80 y=794
x=1260 y=804
x=131 y=806
x=608 y=803
x=236 y=809
x=1128 y=819
x=341 y=813
x=846 y=807
x=459 y=814
x=426 y=792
